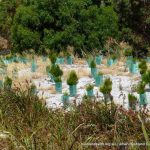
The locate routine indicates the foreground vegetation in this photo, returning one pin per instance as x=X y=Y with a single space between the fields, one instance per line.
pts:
x=85 y=25
x=25 y=123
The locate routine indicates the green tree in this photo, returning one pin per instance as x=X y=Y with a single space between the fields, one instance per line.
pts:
x=25 y=34
x=59 y=23
x=7 y=12
x=134 y=23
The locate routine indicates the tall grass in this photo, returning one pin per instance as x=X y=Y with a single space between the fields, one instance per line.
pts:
x=144 y=132
x=26 y=124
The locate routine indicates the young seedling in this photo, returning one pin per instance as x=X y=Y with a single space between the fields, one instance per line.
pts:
x=72 y=79
x=132 y=101
x=48 y=68
x=89 y=87
x=67 y=54
x=53 y=58
x=65 y=100
x=58 y=79
x=60 y=59
x=146 y=77
x=55 y=71
x=140 y=88
x=69 y=58
x=100 y=73
x=93 y=68
x=58 y=84
x=109 y=61
x=128 y=52
x=114 y=57
x=89 y=59
x=141 y=91
x=93 y=64
x=98 y=59
x=33 y=66
x=89 y=90
x=98 y=79
x=133 y=67
x=72 y=82
x=143 y=67
x=61 y=54
x=106 y=90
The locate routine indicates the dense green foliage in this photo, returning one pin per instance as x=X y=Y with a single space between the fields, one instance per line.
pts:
x=72 y=78
x=83 y=24
x=93 y=64
x=134 y=23
x=57 y=79
x=141 y=88
x=56 y=71
x=106 y=87
x=146 y=77
x=7 y=12
x=132 y=98
x=57 y=24
x=53 y=58
x=143 y=67
x=89 y=87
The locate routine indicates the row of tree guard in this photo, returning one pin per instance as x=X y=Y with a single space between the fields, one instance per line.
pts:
x=131 y=63
x=106 y=85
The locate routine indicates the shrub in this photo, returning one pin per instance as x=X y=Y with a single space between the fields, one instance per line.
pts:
x=72 y=79
x=140 y=88
x=89 y=87
x=93 y=64
x=106 y=87
x=56 y=71
x=7 y=83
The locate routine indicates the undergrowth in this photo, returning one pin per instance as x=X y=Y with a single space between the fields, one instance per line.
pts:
x=26 y=124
